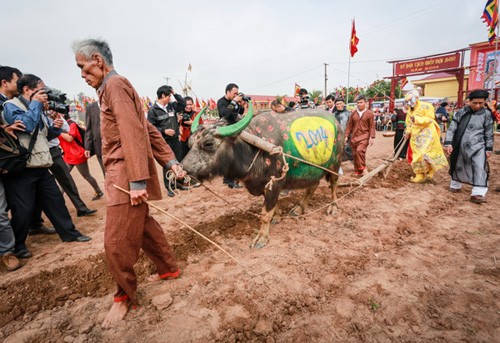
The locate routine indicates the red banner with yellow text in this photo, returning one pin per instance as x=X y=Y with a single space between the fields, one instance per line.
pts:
x=428 y=65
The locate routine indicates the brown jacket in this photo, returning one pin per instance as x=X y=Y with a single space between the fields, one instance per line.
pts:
x=130 y=144
x=360 y=128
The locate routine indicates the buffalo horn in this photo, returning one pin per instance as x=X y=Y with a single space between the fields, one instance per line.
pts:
x=236 y=128
x=196 y=120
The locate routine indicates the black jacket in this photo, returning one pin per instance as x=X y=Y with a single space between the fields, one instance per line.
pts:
x=229 y=110
x=167 y=120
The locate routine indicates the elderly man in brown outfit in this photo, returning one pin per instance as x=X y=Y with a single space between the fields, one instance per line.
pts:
x=361 y=130
x=130 y=146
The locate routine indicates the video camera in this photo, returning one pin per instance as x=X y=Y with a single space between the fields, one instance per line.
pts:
x=245 y=97
x=57 y=100
x=304 y=96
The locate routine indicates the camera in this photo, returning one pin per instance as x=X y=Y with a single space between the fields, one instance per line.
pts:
x=245 y=97
x=57 y=100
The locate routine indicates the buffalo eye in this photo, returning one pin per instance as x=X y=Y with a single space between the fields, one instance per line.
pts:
x=209 y=146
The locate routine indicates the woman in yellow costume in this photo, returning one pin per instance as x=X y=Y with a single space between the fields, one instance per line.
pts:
x=426 y=155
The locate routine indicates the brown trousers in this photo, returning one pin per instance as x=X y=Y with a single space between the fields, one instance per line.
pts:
x=359 y=155
x=128 y=229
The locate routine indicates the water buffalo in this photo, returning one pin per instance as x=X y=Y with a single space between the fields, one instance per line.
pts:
x=312 y=135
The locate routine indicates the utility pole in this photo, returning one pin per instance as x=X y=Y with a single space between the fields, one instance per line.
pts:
x=166 y=79
x=326 y=79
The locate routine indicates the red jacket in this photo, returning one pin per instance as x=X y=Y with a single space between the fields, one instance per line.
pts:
x=73 y=152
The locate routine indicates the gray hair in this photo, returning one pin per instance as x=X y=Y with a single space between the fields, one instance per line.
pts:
x=88 y=47
x=415 y=93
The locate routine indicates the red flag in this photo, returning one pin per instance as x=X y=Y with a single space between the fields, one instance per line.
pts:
x=490 y=18
x=297 y=90
x=353 y=46
x=404 y=82
x=197 y=105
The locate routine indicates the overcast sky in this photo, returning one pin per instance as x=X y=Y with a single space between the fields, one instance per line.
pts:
x=263 y=46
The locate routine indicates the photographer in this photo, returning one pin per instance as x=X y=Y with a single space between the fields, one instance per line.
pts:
x=35 y=182
x=163 y=116
x=8 y=90
x=230 y=110
x=304 y=102
x=71 y=142
x=186 y=119
x=228 y=106
x=61 y=171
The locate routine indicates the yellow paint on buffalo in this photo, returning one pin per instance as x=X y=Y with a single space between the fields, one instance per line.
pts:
x=314 y=138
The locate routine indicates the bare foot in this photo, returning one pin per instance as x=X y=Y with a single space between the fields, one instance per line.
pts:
x=116 y=313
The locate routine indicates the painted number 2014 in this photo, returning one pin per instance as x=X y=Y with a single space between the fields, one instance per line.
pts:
x=312 y=138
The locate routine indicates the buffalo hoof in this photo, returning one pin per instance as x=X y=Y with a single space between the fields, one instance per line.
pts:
x=332 y=210
x=296 y=211
x=276 y=220
x=259 y=242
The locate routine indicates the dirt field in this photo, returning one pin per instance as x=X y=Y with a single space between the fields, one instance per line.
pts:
x=398 y=263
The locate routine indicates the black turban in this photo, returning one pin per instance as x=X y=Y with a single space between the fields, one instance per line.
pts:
x=479 y=94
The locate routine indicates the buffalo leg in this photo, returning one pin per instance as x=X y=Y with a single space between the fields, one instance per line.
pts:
x=262 y=237
x=270 y=204
x=301 y=207
x=334 y=204
x=277 y=214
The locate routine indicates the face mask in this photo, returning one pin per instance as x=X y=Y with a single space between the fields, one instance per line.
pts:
x=410 y=100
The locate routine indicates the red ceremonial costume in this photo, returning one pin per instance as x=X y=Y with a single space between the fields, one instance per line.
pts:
x=130 y=146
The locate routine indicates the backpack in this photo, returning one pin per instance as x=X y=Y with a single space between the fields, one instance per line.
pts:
x=13 y=156
x=81 y=130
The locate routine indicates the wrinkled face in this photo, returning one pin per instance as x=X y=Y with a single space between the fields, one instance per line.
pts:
x=329 y=103
x=361 y=104
x=477 y=104
x=232 y=93
x=91 y=70
x=340 y=105
x=204 y=159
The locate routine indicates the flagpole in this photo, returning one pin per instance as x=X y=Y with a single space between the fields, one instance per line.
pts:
x=349 y=67
x=496 y=51
x=495 y=64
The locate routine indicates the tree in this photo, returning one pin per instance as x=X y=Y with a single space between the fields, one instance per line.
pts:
x=381 y=88
x=281 y=98
x=353 y=92
x=316 y=96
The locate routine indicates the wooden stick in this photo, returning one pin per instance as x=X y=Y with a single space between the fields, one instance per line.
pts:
x=187 y=225
x=259 y=142
x=366 y=177
x=395 y=157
